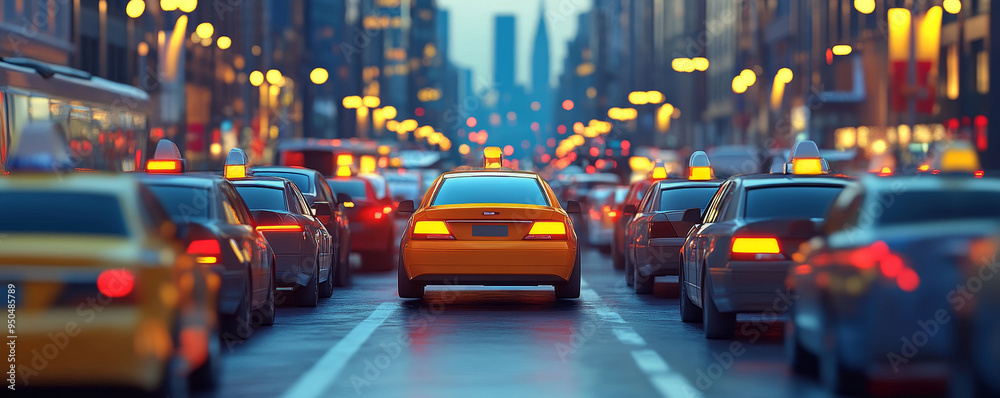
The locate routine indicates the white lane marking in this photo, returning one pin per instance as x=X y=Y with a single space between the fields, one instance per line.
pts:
x=324 y=372
x=667 y=382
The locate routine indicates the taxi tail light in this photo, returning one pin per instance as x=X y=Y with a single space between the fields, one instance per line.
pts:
x=431 y=230
x=280 y=228
x=205 y=251
x=755 y=248
x=116 y=282
x=662 y=229
x=387 y=210
x=378 y=215
x=547 y=230
x=979 y=174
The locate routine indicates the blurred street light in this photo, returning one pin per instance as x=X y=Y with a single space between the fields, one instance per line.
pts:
x=784 y=75
x=842 y=49
x=952 y=6
x=683 y=65
x=224 y=42
x=389 y=112
x=256 y=78
x=700 y=63
x=187 y=5
x=864 y=6
x=143 y=49
x=135 y=8
x=353 y=102
x=169 y=5
x=638 y=98
x=319 y=76
x=739 y=85
x=205 y=30
x=749 y=77
x=567 y=105
x=654 y=97
x=371 y=101
x=274 y=76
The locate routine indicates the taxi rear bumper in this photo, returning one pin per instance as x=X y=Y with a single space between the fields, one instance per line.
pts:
x=508 y=263
x=293 y=270
x=750 y=286
x=116 y=347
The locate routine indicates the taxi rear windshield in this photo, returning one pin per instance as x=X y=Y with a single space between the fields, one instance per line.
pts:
x=301 y=181
x=61 y=213
x=926 y=206
x=686 y=198
x=263 y=198
x=490 y=189
x=354 y=188
x=183 y=203
x=790 y=201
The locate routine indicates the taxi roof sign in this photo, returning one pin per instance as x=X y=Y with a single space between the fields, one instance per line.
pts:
x=236 y=164
x=492 y=157
x=806 y=159
x=166 y=159
x=699 y=167
x=659 y=171
x=959 y=157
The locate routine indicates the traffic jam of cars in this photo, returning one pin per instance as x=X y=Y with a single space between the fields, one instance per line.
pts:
x=158 y=270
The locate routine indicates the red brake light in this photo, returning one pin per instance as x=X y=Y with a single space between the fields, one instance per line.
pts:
x=387 y=209
x=377 y=215
x=979 y=174
x=282 y=228
x=115 y=283
x=205 y=251
x=748 y=249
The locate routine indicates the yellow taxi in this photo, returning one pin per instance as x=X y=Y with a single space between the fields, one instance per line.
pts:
x=490 y=226
x=99 y=292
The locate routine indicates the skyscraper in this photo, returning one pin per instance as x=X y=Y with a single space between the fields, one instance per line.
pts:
x=540 y=90
x=503 y=58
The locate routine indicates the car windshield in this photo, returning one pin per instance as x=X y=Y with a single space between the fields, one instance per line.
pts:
x=925 y=206
x=183 y=203
x=686 y=198
x=790 y=201
x=354 y=188
x=74 y=213
x=301 y=181
x=490 y=189
x=263 y=198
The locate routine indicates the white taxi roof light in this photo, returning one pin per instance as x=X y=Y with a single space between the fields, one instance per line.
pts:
x=806 y=159
x=166 y=159
x=659 y=171
x=699 y=167
x=237 y=164
x=41 y=148
x=492 y=158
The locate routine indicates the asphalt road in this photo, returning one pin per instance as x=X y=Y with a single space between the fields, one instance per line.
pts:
x=506 y=342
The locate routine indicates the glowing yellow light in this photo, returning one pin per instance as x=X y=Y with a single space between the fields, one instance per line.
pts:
x=842 y=49
x=187 y=5
x=431 y=228
x=547 y=228
x=205 y=30
x=658 y=173
x=654 y=97
x=638 y=98
x=274 y=76
x=700 y=64
x=879 y=147
x=749 y=77
x=739 y=85
x=591 y=92
x=807 y=166
x=215 y=149
x=236 y=171
x=389 y=112
x=344 y=171
x=143 y=49
x=256 y=78
x=353 y=102
x=492 y=157
x=755 y=245
x=319 y=76
x=464 y=149
x=135 y=8
x=345 y=159
x=384 y=150
x=683 y=65
x=952 y=6
x=169 y=5
x=224 y=42
x=639 y=163
x=784 y=75
x=700 y=173
x=864 y=6
x=368 y=164
x=371 y=101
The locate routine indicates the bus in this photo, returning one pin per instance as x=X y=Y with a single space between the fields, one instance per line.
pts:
x=106 y=123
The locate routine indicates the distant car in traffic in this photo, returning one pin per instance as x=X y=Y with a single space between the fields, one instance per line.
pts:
x=373 y=231
x=598 y=234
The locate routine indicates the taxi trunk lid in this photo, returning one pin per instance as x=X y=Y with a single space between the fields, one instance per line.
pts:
x=491 y=222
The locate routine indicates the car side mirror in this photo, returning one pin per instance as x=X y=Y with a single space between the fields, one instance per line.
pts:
x=692 y=216
x=629 y=210
x=405 y=207
x=323 y=211
x=573 y=207
x=344 y=199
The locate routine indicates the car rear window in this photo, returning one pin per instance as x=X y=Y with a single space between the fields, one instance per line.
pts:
x=354 y=188
x=490 y=189
x=301 y=181
x=263 y=198
x=183 y=203
x=319 y=160
x=686 y=198
x=924 y=206
x=76 y=213
x=790 y=201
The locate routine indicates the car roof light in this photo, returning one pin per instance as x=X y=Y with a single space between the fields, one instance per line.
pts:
x=659 y=171
x=806 y=159
x=492 y=157
x=699 y=167
x=166 y=159
x=236 y=164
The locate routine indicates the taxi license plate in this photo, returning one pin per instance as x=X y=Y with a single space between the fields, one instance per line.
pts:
x=492 y=231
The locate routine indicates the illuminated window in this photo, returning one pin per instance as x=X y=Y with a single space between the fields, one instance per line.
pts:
x=952 y=89
x=983 y=72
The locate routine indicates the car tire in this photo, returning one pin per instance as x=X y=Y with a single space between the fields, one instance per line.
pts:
x=239 y=325
x=717 y=324
x=326 y=288
x=404 y=287
x=835 y=376
x=617 y=258
x=690 y=313
x=571 y=289
x=206 y=377
x=629 y=273
x=642 y=284
x=267 y=312
x=343 y=269
x=800 y=360
x=308 y=295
